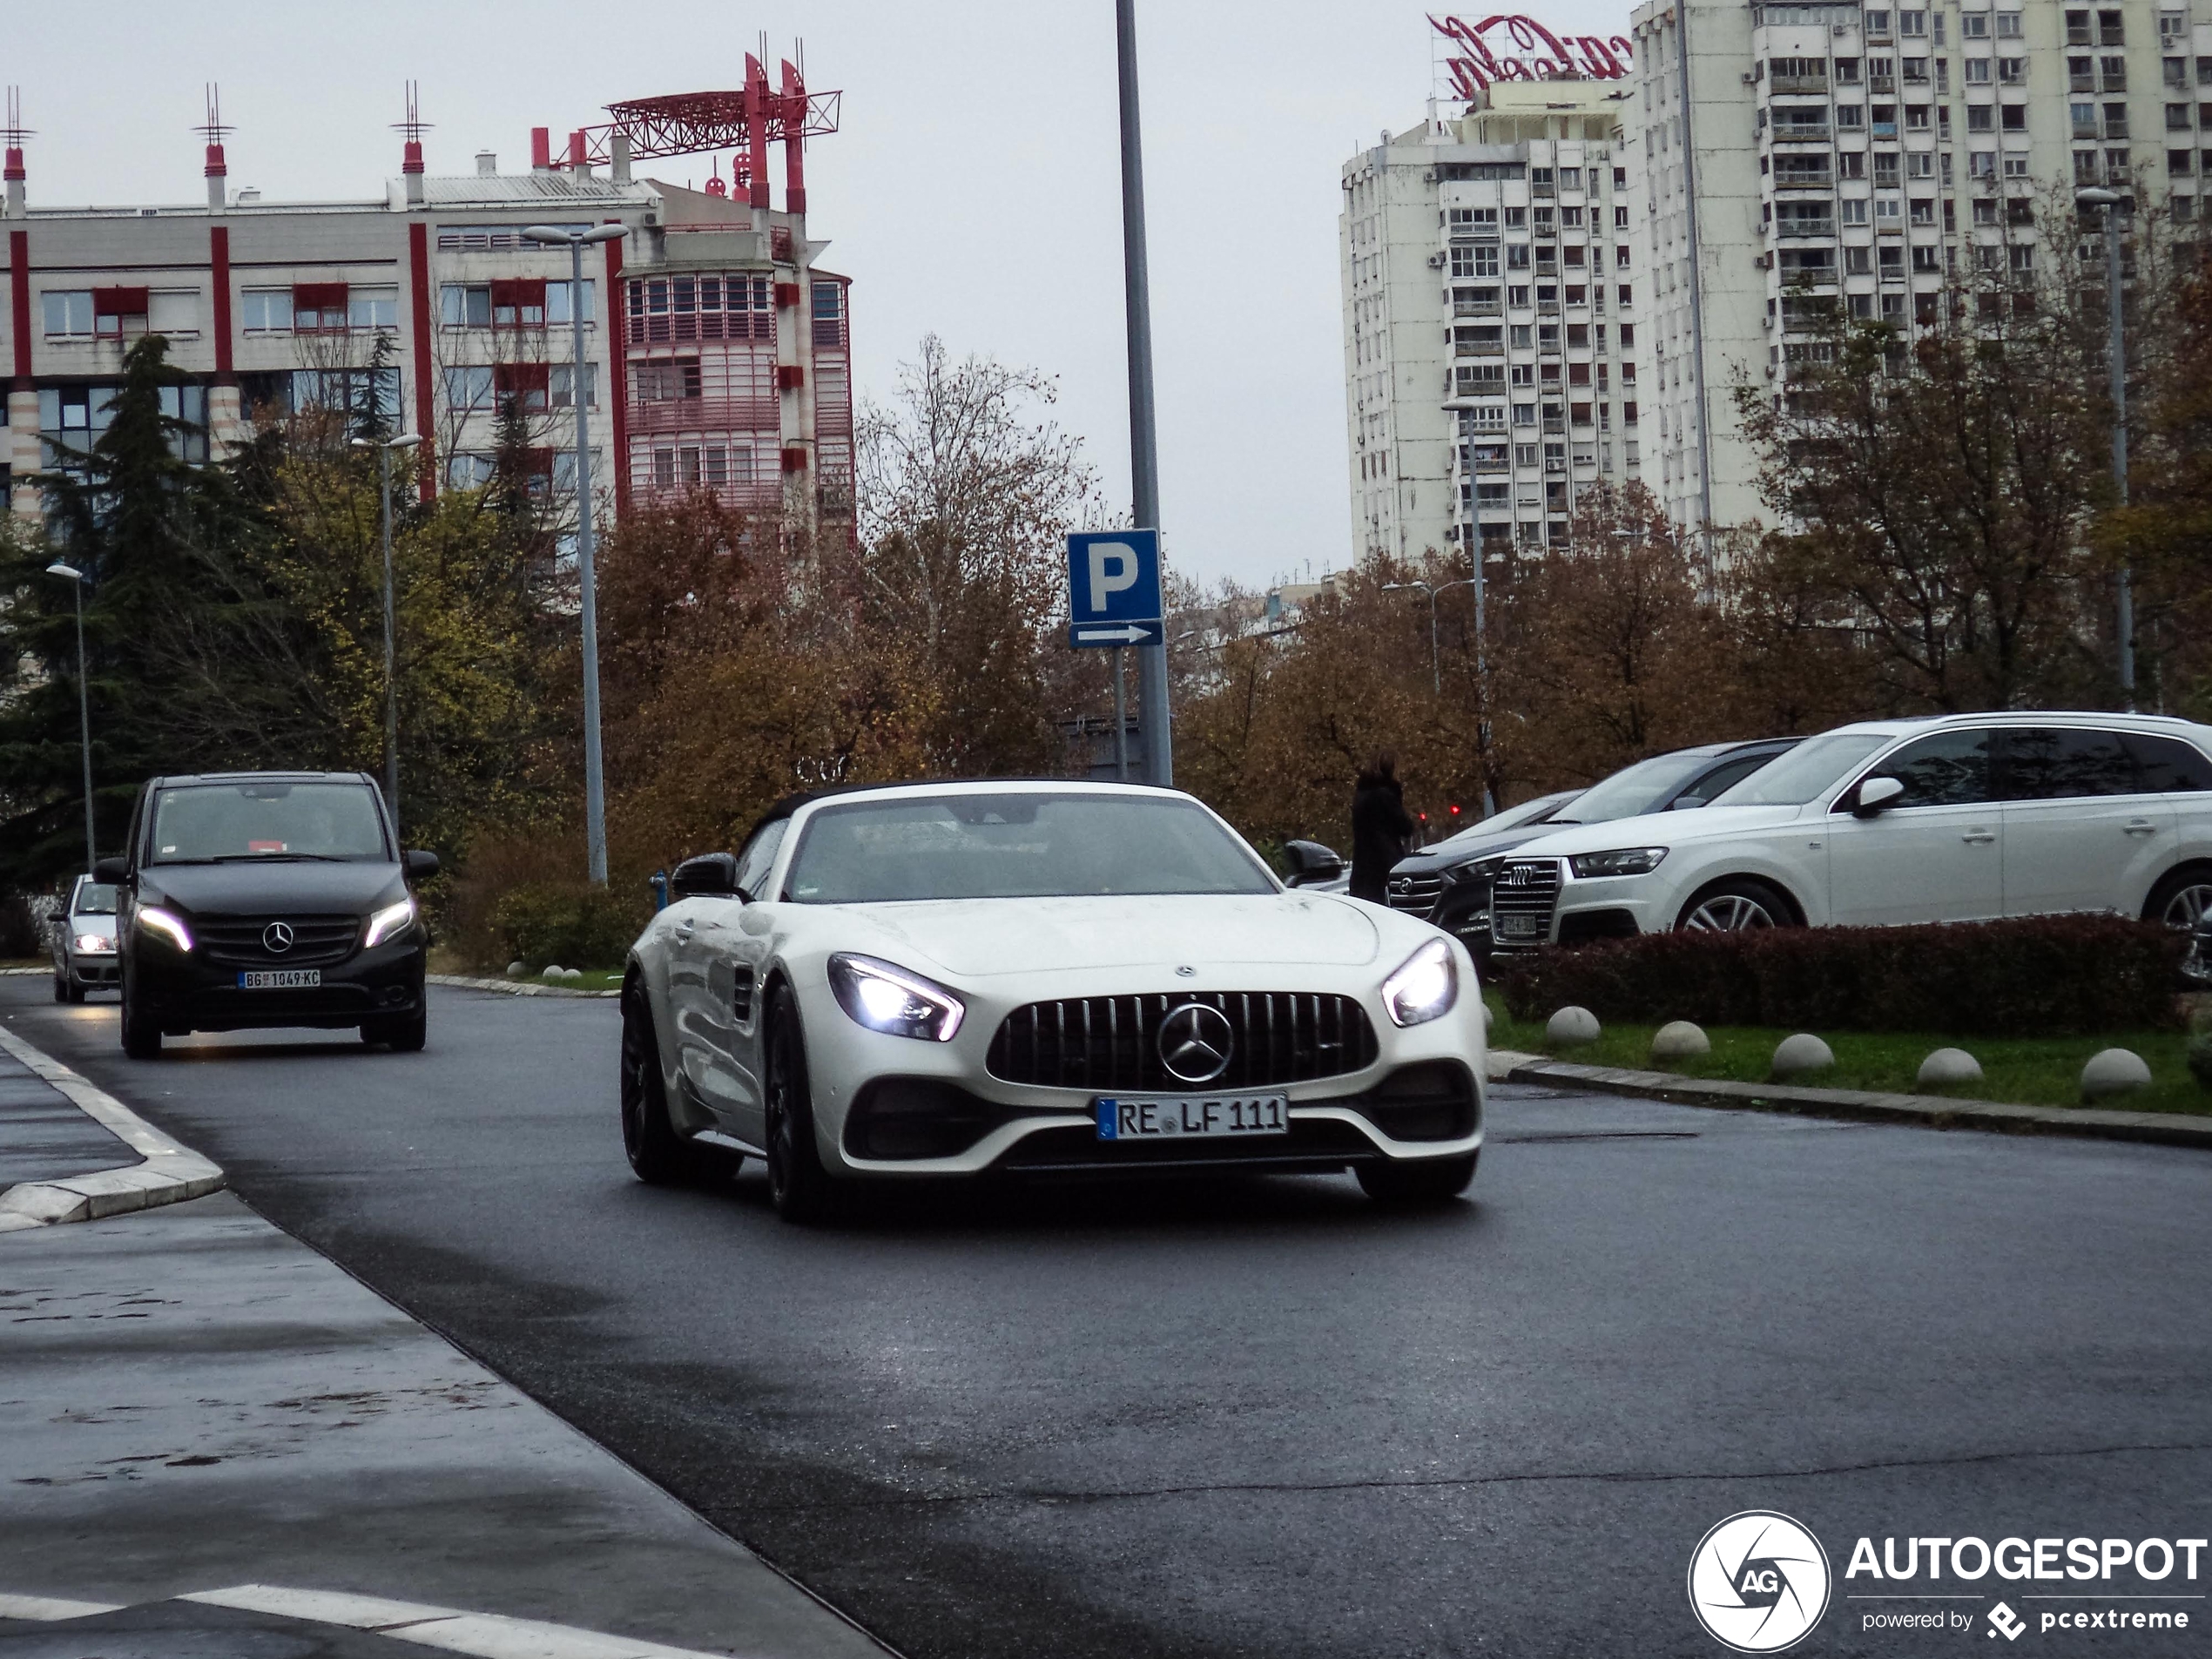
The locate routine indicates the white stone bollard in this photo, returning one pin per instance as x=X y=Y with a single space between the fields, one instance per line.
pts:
x=1572 y=1025
x=1804 y=1053
x=1946 y=1067
x=1680 y=1040
x=518 y=969
x=551 y=971
x=2113 y=1071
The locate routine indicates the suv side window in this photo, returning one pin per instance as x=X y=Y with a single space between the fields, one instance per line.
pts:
x=1718 y=780
x=2168 y=765
x=1947 y=769
x=2046 y=762
x=760 y=855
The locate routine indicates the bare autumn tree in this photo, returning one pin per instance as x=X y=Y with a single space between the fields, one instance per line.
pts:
x=1938 y=496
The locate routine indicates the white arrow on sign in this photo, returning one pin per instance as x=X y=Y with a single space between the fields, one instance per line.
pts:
x=1128 y=634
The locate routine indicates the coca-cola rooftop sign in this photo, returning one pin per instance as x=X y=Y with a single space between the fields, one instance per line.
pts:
x=1510 y=47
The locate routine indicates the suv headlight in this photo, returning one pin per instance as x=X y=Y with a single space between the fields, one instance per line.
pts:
x=888 y=999
x=388 y=922
x=1628 y=860
x=1424 y=986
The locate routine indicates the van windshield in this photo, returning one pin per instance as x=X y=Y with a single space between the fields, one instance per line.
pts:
x=217 y=823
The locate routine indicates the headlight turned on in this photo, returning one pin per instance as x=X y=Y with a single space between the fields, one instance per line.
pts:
x=165 y=925
x=92 y=944
x=890 y=999
x=1628 y=860
x=385 y=923
x=1424 y=986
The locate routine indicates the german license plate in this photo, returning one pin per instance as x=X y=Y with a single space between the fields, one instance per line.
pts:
x=1517 y=927
x=278 y=978
x=1201 y=1117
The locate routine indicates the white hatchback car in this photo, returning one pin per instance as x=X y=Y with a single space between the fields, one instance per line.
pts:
x=1957 y=819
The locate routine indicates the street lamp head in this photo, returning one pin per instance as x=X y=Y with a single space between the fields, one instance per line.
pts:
x=405 y=440
x=68 y=572
x=2097 y=195
x=555 y=233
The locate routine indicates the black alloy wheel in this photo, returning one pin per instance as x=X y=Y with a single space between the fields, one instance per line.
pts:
x=657 y=1155
x=141 y=1034
x=798 y=1185
x=2182 y=899
x=1431 y=1181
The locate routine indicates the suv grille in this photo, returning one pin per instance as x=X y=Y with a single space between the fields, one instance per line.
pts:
x=1416 y=894
x=236 y=942
x=1522 y=895
x=1111 y=1043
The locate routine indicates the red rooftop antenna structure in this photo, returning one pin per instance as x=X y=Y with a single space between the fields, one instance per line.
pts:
x=14 y=134
x=214 y=132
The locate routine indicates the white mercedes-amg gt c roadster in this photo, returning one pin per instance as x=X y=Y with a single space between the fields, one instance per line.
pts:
x=1037 y=979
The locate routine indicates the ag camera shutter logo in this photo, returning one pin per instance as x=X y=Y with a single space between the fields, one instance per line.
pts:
x=1758 y=1582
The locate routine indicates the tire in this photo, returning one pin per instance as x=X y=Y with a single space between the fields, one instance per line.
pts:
x=1431 y=1181
x=77 y=992
x=1738 y=905
x=657 y=1155
x=61 y=989
x=141 y=1035
x=798 y=1185
x=2180 y=897
x=402 y=1033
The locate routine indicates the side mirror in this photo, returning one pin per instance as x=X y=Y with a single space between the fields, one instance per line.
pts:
x=111 y=871
x=711 y=875
x=419 y=865
x=1310 y=861
x=1875 y=795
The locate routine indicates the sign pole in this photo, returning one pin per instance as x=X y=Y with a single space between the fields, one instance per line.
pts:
x=1121 y=722
x=1144 y=455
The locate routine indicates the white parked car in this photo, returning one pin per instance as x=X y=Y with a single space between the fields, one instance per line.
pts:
x=1957 y=818
x=1038 y=979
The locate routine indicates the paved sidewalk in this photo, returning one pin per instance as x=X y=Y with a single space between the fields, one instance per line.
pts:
x=193 y=1400
x=44 y=1136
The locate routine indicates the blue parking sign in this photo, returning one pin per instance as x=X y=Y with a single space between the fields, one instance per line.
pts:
x=1113 y=576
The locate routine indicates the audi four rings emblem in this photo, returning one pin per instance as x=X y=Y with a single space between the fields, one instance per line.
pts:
x=1195 y=1042
x=276 y=938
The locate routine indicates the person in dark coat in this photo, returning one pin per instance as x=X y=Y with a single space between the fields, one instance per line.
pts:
x=1381 y=830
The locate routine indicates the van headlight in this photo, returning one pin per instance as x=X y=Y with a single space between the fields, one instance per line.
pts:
x=388 y=923
x=1628 y=860
x=166 y=925
x=1424 y=986
x=890 y=999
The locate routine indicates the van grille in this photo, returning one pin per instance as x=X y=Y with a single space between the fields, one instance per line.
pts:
x=1109 y=1043
x=237 y=941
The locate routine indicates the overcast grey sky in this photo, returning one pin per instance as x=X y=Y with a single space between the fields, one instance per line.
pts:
x=973 y=191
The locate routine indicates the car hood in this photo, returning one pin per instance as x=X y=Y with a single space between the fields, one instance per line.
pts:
x=976 y=938
x=1662 y=829
x=1466 y=850
x=308 y=887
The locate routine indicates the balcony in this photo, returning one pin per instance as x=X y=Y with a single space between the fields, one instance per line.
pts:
x=2081 y=81
x=1478 y=308
x=1554 y=423
x=1881 y=129
x=1804 y=181
x=1801 y=132
x=1804 y=230
x=1881 y=83
x=1478 y=348
x=1800 y=85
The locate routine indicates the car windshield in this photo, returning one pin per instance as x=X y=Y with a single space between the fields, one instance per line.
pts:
x=1530 y=812
x=1017 y=847
x=214 y=823
x=1636 y=790
x=94 y=899
x=1805 y=772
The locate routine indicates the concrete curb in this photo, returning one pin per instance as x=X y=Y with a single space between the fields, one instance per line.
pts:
x=2164 y=1129
x=169 y=1174
x=511 y=987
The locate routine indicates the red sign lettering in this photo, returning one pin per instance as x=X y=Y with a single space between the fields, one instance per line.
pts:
x=1535 y=54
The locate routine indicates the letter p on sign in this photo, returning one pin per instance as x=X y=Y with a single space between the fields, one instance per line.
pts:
x=1113 y=576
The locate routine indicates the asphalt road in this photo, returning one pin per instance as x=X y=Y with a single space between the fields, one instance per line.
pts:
x=1266 y=1417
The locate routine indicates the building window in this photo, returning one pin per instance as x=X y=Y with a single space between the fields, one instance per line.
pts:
x=666 y=379
x=469 y=388
x=346 y=391
x=564 y=377
x=69 y=313
x=2008 y=25
x=375 y=309
x=266 y=311
x=520 y=385
x=1980 y=118
x=713 y=306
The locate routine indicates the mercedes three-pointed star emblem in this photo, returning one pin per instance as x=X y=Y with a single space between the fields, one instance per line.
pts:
x=1196 y=1042
x=277 y=937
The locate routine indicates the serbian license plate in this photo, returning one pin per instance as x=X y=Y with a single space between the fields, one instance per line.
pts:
x=1192 y=1117
x=1510 y=926
x=278 y=978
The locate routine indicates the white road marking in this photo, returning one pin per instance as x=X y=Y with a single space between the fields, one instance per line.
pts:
x=48 y=1607
x=486 y=1635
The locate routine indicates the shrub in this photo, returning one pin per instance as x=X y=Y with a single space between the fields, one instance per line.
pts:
x=574 y=924
x=22 y=931
x=2034 y=976
x=2200 y=1050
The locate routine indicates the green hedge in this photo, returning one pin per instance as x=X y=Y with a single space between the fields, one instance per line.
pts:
x=576 y=926
x=2035 y=976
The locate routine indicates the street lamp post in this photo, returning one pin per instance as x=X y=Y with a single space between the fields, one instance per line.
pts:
x=1482 y=658
x=384 y=447
x=595 y=786
x=75 y=579
x=2097 y=195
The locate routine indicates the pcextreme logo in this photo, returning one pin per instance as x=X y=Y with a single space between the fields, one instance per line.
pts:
x=1758 y=1582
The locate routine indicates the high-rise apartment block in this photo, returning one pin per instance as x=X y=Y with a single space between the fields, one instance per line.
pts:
x=1885 y=162
x=1490 y=339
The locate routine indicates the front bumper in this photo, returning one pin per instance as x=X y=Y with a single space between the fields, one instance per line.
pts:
x=93 y=969
x=891 y=1106
x=185 y=993
x=1550 y=904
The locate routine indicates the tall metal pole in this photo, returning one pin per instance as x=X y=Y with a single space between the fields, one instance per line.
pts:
x=595 y=799
x=391 y=672
x=1121 y=721
x=85 y=725
x=1435 y=657
x=2117 y=352
x=1144 y=437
